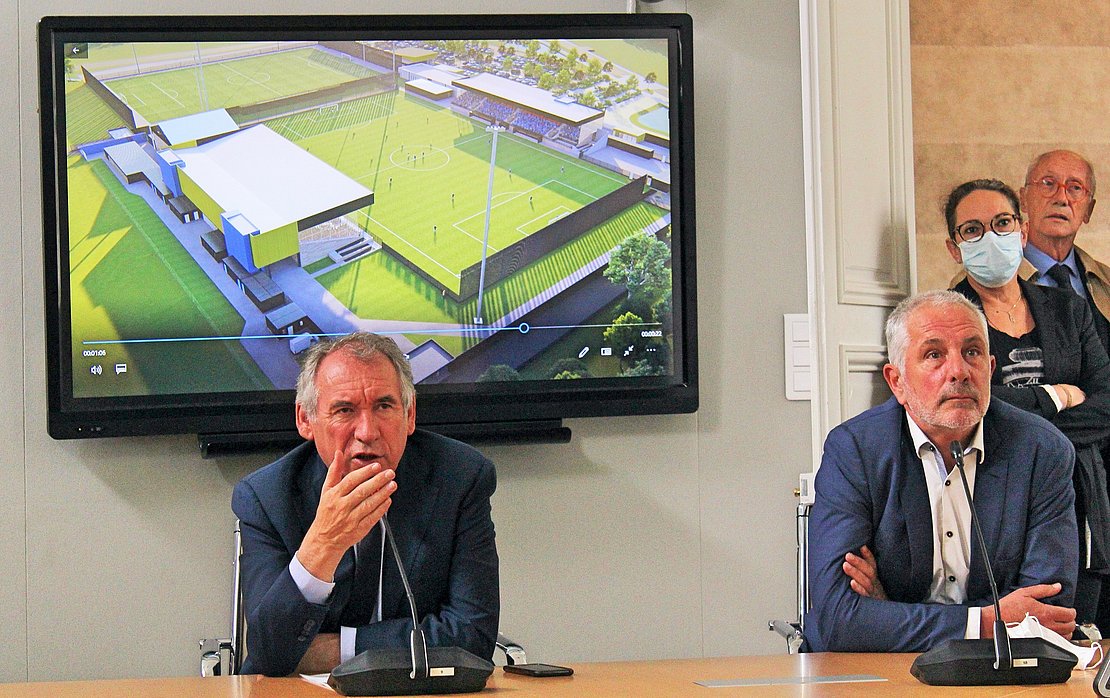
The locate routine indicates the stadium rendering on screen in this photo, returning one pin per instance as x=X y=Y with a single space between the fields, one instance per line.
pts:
x=503 y=204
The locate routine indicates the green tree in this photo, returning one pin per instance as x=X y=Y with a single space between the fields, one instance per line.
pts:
x=623 y=333
x=569 y=368
x=651 y=77
x=546 y=81
x=639 y=264
x=643 y=367
x=499 y=372
x=661 y=311
x=657 y=353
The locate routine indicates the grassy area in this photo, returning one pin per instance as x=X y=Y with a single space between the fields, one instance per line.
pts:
x=641 y=120
x=121 y=256
x=382 y=288
x=319 y=265
x=173 y=93
x=88 y=118
x=641 y=56
x=509 y=293
x=429 y=168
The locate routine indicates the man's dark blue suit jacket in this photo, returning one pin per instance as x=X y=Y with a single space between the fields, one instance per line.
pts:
x=870 y=490
x=440 y=516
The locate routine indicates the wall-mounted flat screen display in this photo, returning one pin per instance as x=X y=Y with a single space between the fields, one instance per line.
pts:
x=510 y=198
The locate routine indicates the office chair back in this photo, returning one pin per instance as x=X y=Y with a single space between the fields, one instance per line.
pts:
x=793 y=630
x=224 y=656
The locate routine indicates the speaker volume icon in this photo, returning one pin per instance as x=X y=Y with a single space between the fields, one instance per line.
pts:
x=96 y=369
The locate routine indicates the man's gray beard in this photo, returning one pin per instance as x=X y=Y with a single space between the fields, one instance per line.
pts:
x=931 y=415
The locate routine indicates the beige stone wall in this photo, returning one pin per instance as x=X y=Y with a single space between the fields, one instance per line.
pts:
x=995 y=83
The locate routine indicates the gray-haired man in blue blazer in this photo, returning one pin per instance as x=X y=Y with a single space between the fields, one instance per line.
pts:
x=893 y=566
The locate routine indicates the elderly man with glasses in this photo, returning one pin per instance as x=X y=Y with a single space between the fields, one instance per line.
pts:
x=1058 y=197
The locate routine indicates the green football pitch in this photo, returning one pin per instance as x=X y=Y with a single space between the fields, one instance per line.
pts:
x=378 y=287
x=158 y=95
x=429 y=170
x=169 y=94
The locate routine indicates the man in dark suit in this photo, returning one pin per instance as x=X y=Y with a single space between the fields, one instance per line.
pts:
x=319 y=582
x=892 y=563
x=1058 y=198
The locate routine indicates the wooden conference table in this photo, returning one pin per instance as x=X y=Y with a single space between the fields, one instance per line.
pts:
x=646 y=679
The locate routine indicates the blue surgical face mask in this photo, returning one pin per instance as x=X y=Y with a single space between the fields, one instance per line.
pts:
x=993 y=259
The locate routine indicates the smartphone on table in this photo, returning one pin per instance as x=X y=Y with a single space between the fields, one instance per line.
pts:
x=538 y=669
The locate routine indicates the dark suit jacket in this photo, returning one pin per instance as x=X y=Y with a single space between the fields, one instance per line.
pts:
x=871 y=490
x=1073 y=354
x=441 y=520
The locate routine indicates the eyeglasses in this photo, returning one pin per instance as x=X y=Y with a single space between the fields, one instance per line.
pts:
x=1073 y=189
x=973 y=231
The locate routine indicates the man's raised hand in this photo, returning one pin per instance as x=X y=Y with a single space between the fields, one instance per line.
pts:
x=351 y=503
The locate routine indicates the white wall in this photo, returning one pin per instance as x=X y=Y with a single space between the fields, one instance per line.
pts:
x=644 y=537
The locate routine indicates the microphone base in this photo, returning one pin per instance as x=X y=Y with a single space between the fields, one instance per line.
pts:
x=386 y=672
x=971 y=663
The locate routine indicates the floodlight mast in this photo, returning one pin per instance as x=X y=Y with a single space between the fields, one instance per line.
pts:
x=202 y=91
x=494 y=129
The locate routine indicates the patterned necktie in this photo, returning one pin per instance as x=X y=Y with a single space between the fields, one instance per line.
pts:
x=1061 y=274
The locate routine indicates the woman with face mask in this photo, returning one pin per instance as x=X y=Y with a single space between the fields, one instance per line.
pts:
x=1048 y=357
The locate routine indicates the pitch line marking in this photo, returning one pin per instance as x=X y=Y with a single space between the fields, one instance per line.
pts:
x=414 y=247
x=155 y=86
x=247 y=77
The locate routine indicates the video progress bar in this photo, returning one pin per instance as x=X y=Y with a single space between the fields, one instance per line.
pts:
x=523 y=328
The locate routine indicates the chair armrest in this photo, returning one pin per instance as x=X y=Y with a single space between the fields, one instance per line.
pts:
x=790 y=632
x=514 y=653
x=217 y=657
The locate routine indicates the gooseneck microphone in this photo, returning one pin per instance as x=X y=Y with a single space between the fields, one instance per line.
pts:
x=1002 y=655
x=417 y=644
x=416 y=671
x=1021 y=661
